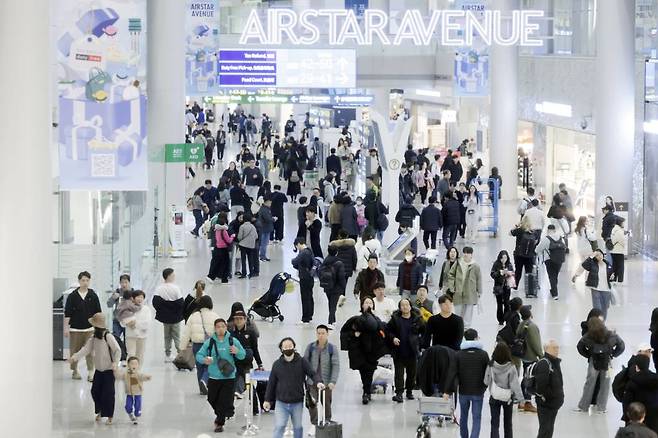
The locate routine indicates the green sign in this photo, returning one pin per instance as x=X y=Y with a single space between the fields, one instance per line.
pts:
x=184 y=153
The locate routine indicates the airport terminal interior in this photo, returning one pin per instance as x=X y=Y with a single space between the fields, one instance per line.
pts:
x=399 y=218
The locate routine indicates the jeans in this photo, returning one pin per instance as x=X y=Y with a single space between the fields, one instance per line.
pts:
x=590 y=384
x=171 y=333
x=134 y=405
x=449 y=235
x=601 y=300
x=546 y=417
x=401 y=366
x=198 y=221
x=427 y=235
x=495 y=406
x=264 y=240
x=465 y=403
x=553 y=270
x=201 y=368
x=282 y=412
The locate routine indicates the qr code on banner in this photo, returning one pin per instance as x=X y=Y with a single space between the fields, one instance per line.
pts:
x=103 y=165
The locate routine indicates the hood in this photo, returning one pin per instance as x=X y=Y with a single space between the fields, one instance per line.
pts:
x=501 y=368
x=342 y=242
x=471 y=344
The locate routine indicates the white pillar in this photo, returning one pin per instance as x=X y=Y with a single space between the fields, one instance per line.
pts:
x=25 y=238
x=504 y=103
x=615 y=100
x=166 y=103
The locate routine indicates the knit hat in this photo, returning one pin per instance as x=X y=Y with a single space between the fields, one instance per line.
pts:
x=235 y=308
x=97 y=321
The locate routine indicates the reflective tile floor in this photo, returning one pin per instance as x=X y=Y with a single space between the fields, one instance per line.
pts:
x=172 y=406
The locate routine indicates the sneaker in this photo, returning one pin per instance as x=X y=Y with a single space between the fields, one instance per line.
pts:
x=303 y=322
x=397 y=398
x=203 y=388
x=90 y=377
x=133 y=418
x=410 y=396
x=331 y=327
x=225 y=282
x=242 y=277
x=342 y=300
x=556 y=298
x=311 y=430
x=577 y=409
x=210 y=280
x=529 y=408
x=365 y=399
x=76 y=375
x=98 y=417
x=108 y=422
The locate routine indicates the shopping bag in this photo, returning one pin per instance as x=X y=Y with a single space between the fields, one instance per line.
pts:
x=185 y=359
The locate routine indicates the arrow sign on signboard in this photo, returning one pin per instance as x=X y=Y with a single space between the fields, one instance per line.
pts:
x=250 y=99
x=293 y=99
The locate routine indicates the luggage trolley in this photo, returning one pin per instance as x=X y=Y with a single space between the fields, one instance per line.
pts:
x=434 y=408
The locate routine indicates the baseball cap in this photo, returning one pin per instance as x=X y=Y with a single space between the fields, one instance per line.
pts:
x=644 y=346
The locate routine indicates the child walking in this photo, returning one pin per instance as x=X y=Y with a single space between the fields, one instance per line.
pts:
x=106 y=354
x=133 y=381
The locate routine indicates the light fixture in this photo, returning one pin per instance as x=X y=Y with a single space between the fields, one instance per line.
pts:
x=428 y=93
x=651 y=127
x=557 y=109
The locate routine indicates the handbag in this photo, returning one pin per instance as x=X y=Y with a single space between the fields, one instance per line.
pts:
x=185 y=359
x=95 y=87
x=510 y=282
x=498 y=393
x=225 y=367
x=498 y=289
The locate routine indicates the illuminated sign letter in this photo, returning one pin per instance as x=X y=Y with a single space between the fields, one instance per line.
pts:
x=511 y=26
x=304 y=21
x=375 y=23
x=350 y=29
x=333 y=15
x=447 y=26
x=473 y=25
x=425 y=33
x=282 y=21
x=407 y=29
x=253 y=29
x=530 y=28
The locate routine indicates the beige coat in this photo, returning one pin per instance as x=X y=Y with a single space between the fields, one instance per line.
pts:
x=465 y=282
x=133 y=382
x=194 y=328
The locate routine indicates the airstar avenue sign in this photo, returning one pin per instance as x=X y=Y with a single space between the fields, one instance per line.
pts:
x=451 y=27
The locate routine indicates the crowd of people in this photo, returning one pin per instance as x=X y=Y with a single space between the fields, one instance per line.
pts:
x=432 y=343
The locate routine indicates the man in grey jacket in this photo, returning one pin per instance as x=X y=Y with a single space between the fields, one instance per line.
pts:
x=324 y=358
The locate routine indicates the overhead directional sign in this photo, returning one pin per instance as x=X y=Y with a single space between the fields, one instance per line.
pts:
x=311 y=99
x=290 y=68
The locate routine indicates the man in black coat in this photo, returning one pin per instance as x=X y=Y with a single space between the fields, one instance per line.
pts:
x=607 y=222
x=549 y=388
x=333 y=281
x=313 y=226
x=304 y=264
x=456 y=170
x=430 y=222
x=278 y=199
x=333 y=164
x=451 y=219
x=410 y=155
x=404 y=330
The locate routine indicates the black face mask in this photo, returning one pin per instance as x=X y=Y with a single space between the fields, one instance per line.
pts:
x=288 y=353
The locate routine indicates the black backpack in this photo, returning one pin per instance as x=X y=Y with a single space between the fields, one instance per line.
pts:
x=619 y=384
x=600 y=356
x=529 y=378
x=327 y=276
x=506 y=335
x=527 y=244
x=519 y=344
x=557 y=250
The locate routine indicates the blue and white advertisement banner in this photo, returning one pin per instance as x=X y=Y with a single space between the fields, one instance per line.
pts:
x=471 y=69
x=101 y=85
x=358 y=6
x=201 y=44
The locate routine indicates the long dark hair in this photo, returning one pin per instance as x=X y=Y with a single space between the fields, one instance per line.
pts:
x=500 y=257
x=596 y=330
x=581 y=224
x=654 y=321
x=501 y=354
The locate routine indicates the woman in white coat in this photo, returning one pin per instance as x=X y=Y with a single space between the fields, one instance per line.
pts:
x=199 y=327
x=586 y=238
x=137 y=327
x=366 y=246
x=618 y=238
x=473 y=213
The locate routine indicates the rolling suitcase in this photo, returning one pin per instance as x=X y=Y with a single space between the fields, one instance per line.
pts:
x=326 y=429
x=532 y=283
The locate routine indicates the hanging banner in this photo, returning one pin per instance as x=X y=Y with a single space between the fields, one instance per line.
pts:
x=202 y=42
x=101 y=83
x=471 y=70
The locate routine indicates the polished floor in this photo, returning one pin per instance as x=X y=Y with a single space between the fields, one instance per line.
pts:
x=172 y=406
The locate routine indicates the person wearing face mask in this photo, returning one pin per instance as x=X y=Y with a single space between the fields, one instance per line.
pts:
x=410 y=275
x=219 y=352
x=363 y=337
x=286 y=388
x=404 y=331
x=598 y=280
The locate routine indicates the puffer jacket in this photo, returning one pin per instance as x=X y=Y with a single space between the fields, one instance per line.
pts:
x=198 y=321
x=430 y=218
x=406 y=215
x=348 y=219
x=451 y=212
x=346 y=254
x=465 y=283
x=618 y=239
x=222 y=238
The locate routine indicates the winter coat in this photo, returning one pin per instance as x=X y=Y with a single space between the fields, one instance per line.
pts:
x=533 y=343
x=304 y=263
x=406 y=215
x=642 y=387
x=220 y=351
x=348 y=220
x=592 y=268
x=607 y=224
x=247 y=235
x=346 y=254
x=265 y=219
x=80 y=310
x=286 y=384
x=328 y=358
x=548 y=382
x=471 y=364
x=365 y=350
x=333 y=164
x=451 y=212
x=635 y=430
x=431 y=219
x=614 y=343
x=363 y=288
x=465 y=283
x=200 y=325
x=222 y=238
x=500 y=280
x=618 y=238
x=248 y=337
x=445 y=272
x=168 y=303
x=335 y=212
x=340 y=280
x=505 y=376
x=394 y=331
x=416 y=275
x=436 y=369
x=364 y=250
x=142 y=320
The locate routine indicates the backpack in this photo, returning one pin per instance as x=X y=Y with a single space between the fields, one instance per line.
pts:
x=519 y=344
x=529 y=378
x=619 y=384
x=382 y=222
x=327 y=275
x=600 y=356
x=557 y=250
x=506 y=335
x=239 y=363
x=330 y=349
x=527 y=244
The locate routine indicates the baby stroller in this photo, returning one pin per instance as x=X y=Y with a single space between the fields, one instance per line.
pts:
x=265 y=306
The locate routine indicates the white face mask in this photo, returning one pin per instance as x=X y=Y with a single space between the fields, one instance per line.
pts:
x=359 y=202
x=408 y=258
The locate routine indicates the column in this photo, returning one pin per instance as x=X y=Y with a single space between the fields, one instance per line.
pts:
x=26 y=256
x=504 y=103
x=166 y=104
x=615 y=100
